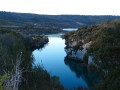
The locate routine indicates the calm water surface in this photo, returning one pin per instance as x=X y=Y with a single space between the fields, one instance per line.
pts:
x=70 y=29
x=71 y=74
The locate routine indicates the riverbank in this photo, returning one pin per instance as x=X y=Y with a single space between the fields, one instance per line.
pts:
x=72 y=75
x=102 y=42
x=15 y=51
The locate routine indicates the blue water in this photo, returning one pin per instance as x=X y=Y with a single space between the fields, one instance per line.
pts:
x=71 y=74
x=70 y=29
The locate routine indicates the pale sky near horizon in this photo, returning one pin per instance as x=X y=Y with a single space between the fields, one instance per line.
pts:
x=55 y=7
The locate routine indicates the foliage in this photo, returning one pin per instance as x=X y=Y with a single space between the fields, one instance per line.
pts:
x=2 y=80
x=33 y=78
x=36 y=79
x=106 y=51
x=105 y=47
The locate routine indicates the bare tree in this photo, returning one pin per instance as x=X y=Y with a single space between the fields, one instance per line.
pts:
x=14 y=79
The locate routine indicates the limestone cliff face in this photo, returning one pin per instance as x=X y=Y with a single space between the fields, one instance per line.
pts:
x=78 y=42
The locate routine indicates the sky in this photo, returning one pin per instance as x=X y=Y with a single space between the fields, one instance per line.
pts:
x=56 y=7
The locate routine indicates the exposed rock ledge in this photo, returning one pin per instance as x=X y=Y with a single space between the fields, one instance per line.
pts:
x=78 y=43
x=79 y=54
x=38 y=41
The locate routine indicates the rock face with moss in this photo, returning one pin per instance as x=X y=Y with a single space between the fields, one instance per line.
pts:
x=103 y=43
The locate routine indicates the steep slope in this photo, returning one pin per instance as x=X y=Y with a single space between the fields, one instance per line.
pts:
x=103 y=43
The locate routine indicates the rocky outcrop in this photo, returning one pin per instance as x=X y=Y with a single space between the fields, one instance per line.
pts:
x=88 y=39
x=102 y=44
x=38 y=41
x=78 y=53
x=78 y=42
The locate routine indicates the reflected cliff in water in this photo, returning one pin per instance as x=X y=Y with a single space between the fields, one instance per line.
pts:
x=82 y=71
x=71 y=74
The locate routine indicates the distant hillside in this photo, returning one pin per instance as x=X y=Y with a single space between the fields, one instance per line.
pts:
x=52 y=20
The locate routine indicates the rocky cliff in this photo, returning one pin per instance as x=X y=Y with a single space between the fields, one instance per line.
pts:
x=79 y=42
x=38 y=41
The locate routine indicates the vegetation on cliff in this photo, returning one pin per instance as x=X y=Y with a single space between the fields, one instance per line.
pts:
x=106 y=51
x=104 y=46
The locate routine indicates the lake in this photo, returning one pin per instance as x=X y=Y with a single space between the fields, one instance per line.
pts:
x=70 y=29
x=71 y=74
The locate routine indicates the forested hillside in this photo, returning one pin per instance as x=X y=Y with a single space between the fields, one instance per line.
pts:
x=52 y=20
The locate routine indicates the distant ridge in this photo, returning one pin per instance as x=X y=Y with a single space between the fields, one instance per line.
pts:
x=61 y=21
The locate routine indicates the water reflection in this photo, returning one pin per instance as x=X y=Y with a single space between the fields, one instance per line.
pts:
x=76 y=67
x=82 y=71
x=70 y=73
